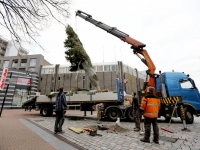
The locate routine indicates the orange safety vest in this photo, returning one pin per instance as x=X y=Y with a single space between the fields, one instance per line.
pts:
x=151 y=105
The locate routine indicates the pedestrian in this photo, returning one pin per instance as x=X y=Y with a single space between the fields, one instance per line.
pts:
x=136 y=113
x=60 y=107
x=149 y=108
x=26 y=108
x=30 y=108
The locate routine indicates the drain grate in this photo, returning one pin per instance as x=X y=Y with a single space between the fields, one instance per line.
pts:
x=168 y=139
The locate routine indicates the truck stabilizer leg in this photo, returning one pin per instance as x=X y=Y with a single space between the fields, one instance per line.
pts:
x=183 y=119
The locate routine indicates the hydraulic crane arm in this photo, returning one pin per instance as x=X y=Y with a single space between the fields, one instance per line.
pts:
x=135 y=45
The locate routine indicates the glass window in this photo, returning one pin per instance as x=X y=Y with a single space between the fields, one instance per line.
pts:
x=185 y=84
x=33 y=61
x=20 y=96
x=23 y=62
x=46 y=71
x=50 y=71
x=113 y=67
x=14 y=63
x=67 y=69
x=42 y=71
x=95 y=68
x=61 y=70
x=107 y=68
x=31 y=69
x=6 y=63
x=100 y=68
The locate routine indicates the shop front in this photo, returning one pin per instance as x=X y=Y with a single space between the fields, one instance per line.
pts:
x=22 y=91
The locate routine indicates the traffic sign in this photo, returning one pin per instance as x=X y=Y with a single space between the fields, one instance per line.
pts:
x=3 y=78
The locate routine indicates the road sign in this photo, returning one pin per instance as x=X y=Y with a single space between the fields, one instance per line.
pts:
x=3 y=78
x=125 y=80
x=24 y=81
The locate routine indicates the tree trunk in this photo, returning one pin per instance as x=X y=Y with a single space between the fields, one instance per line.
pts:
x=92 y=75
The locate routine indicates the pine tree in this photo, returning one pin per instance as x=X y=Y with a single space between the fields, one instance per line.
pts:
x=78 y=57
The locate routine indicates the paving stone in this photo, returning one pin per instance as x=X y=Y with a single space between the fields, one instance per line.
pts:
x=130 y=140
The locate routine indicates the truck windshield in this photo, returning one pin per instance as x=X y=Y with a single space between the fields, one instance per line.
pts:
x=185 y=84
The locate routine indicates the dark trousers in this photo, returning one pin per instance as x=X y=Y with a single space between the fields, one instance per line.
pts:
x=136 y=115
x=59 y=121
x=147 y=126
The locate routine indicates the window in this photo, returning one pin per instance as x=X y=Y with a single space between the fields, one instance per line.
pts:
x=23 y=62
x=42 y=72
x=185 y=84
x=67 y=69
x=100 y=68
x=61 y=70
x=6 y=63
x=14 y=63
x=31 y=69
x=113 y=67
x=50 y=71
x=107 y=68
x=33 y=61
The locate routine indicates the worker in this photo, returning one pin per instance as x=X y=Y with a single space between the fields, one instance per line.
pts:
x=136 y=113
x=149 y=108
x=61 y=105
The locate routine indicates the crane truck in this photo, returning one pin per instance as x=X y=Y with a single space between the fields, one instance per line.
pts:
x=171 y=87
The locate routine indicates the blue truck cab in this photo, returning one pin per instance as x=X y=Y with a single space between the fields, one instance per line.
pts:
x=178 y=84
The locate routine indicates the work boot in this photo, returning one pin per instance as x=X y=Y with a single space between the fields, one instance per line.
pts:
x=60 y=132
x=55 y=132
x=156 y=141
x=145 y=140
x=136 y=129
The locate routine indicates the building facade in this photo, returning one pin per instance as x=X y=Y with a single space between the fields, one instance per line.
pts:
x=19 y=86
x=55 y=76
x=23 y=73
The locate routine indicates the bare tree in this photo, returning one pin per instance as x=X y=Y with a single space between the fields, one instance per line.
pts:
x=24 y=18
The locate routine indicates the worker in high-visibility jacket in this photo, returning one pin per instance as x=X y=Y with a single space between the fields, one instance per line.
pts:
x=149 y=107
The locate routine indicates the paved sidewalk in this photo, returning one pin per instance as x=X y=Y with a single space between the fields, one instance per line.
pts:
x=18 y=134
x=127 y=140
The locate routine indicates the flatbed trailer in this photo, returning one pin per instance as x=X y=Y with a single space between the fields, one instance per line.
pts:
x=111 y=107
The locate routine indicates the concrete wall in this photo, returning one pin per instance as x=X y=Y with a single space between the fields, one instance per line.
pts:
x=73 y=80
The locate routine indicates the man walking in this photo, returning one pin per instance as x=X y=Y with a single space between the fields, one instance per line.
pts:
x=136 y=113
x=149 y=108
x=61 y=105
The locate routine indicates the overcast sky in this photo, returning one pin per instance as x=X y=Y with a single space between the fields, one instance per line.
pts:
x=170 y=29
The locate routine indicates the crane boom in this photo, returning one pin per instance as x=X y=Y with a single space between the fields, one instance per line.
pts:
x=135 y=45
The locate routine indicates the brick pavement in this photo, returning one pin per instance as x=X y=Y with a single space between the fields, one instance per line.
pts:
x=128 y=140
x=14 y=135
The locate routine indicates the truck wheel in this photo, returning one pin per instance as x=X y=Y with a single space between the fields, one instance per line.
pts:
x=189 y=117
x=113 y=114
x=46 y=111
x=129 y=114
